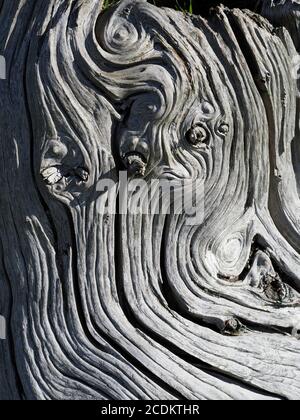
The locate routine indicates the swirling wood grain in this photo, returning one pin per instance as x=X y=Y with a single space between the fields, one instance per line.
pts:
x=145 y=306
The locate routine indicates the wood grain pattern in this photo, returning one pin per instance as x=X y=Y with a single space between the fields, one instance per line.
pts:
x=144 y=306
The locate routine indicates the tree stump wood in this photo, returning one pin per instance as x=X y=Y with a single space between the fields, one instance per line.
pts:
x=104 y=305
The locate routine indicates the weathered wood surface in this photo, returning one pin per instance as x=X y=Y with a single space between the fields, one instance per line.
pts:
x=104 y=306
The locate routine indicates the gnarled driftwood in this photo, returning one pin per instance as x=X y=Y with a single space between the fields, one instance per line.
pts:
x=112 y=305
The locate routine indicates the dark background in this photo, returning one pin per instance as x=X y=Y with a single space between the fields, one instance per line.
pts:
x=203 y=6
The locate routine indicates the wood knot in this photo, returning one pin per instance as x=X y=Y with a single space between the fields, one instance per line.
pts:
x=274 y=288
x=54 y=174
x=62 y=164
x=223 y=129
x=135 y=164
x=232 y=327
x=134 y=152
x=198 y=135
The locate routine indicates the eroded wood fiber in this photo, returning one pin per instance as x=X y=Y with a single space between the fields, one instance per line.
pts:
x=123 y=306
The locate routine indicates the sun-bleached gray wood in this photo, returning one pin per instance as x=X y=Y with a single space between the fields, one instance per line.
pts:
x=112 y=306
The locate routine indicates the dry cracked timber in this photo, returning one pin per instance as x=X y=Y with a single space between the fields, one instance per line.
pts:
x=145 y=306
